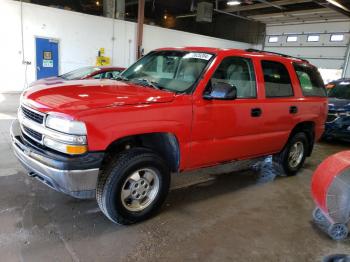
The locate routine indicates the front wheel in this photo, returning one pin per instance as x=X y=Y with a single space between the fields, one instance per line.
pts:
x=133 y=186
x=293 y=156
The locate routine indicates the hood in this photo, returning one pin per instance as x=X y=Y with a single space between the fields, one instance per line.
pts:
x=90 y=94
x=48 y=81
x=336 y=104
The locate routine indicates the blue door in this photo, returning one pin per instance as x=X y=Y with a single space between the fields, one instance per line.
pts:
x=46 y=57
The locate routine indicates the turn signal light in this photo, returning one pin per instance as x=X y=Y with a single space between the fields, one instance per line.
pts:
x=75 y=150
x=65 y=148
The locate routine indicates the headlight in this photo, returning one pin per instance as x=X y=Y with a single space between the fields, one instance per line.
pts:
x=65 y=125
x=71 y=138
x=65 y=148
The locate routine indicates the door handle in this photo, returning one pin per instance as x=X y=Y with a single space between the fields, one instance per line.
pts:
x=38 y=68
x=293 y=110
x=256 y=112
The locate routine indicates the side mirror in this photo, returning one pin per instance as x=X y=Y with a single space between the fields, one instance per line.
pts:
x=221 y=91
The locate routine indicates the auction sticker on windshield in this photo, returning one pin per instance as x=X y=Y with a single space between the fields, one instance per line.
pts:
x=203 y=56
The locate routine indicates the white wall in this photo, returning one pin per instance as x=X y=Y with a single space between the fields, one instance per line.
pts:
x=80 y=37
x=324 y=54
x=156 y=37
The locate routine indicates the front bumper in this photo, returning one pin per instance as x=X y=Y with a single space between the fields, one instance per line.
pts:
x=338 y=129
x=73 y=175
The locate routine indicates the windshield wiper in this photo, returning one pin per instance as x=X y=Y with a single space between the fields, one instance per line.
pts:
x=146 y=82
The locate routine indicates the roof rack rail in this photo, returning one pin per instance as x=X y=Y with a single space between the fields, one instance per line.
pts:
x=275 y=53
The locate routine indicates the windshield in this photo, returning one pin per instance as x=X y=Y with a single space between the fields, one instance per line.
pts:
x=176 y=71
x=80 y=73
x=341 y=91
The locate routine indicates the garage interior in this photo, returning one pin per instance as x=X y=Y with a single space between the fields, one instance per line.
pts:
x=209 y=215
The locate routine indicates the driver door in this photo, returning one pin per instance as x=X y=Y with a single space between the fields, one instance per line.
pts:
x=225 y=130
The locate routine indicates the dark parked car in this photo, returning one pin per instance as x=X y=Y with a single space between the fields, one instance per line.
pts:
x=89 y=72
x=338 y=121
x=332 y=84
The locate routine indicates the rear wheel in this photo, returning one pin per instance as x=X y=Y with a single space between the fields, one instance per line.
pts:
x=293 y=156
x=338 y=231
x=133 y=186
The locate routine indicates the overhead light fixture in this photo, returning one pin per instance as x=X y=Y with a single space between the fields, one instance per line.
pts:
x=97 y=3
x=333 y=2
x=232 y=3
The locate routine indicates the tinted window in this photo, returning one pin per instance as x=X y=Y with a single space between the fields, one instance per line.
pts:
x=111 y=74
x=99 y=76
x=239 y=72
x=310 y=80
x=277 y=80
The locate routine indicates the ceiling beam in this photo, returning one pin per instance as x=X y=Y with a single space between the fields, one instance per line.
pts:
x=271 y=4
x=318 y=11
x=297 y=19
x=299 y=22
x=330 y=5
x=264 y=5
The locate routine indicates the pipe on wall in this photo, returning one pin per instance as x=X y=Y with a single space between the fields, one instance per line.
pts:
x=140 y=21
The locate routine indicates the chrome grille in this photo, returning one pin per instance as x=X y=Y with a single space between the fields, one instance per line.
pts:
x=331 y=117
x=32 y=133
x=32 y=115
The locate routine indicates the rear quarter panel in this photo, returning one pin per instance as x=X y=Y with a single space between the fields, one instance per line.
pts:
x=311 y=108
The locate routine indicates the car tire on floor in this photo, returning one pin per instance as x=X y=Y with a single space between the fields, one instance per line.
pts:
x=133 y=186
x=293 y=155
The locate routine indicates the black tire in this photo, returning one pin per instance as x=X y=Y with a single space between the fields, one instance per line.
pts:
x=283 y=157
x=338 y=231
x=113 y=177
x=318 y=215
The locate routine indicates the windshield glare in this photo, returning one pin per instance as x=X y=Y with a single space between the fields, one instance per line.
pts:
x=340 y=91
x=175 y=71
x=80 y=73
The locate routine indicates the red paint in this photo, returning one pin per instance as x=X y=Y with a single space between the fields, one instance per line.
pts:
x=208 y=131
x=325 y=174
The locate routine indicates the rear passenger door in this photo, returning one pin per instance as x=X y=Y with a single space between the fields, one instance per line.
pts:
x=279 y=104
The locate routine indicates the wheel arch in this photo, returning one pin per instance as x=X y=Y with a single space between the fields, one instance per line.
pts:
x=163 y=143
x=307 y=127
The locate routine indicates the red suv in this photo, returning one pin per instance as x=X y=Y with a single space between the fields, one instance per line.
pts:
x=175 y=109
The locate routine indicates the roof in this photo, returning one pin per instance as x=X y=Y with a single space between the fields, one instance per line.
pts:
x=111 y=67
x=253 y=52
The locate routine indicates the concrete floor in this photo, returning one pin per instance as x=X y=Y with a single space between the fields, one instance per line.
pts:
x=222 y=218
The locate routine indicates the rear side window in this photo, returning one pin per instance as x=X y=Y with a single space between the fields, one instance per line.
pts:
x=277 y=79
x=310 y=80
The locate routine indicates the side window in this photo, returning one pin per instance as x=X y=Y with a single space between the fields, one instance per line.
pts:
x=239 y=72
x=115 y=74
x=310 y=80
x=110 y=75
x=277 y=80
x=98 y=76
